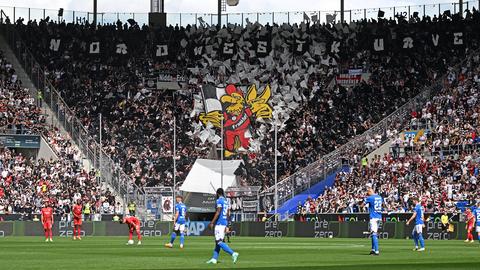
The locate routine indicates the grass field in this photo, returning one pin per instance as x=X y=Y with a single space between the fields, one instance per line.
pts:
x=263 y=253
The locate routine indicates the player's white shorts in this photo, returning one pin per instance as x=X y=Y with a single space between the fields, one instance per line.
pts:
x=418 y=228
x=477 y=229
x=179 y=227
x=374 y=225
x=219 y=232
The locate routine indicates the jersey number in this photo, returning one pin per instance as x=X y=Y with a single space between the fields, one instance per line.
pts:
x=378 y=205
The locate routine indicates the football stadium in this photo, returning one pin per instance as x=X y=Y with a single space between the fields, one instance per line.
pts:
x=252 y=134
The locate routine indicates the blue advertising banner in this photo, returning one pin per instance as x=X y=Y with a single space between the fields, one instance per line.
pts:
x=198 y=228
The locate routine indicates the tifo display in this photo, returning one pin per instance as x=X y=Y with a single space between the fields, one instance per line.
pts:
x=340 y=144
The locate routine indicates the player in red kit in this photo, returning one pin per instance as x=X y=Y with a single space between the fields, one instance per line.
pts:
x=470 y=220
x=77 y=220
x=47 y=221
x=133 y=224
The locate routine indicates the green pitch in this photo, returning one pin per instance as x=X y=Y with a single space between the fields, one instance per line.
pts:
x=263 y=253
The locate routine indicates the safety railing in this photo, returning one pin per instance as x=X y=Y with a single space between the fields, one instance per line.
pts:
x=110 y=171
x=184 y=19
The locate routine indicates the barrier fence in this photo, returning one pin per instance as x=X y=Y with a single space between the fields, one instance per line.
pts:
x=184 y=19
x=316 y=229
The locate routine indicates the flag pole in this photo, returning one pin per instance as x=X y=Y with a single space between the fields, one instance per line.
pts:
x=276 y=169
x=174 y=154
x=100 y=150
x=174 y=160
x=221 y=161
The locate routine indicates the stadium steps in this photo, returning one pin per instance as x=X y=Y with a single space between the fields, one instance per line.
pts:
x=290 y=206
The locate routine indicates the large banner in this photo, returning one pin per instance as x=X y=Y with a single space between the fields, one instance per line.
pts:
x=361 y=230
x=65 y=228
x=147 y=228
x=245 y=204
x=200 y=202
x=6 y=229
x=30 y=217
x=272 y=229
x=348 y=80
x=60 y=228
x=238 y=109
x=261 y=45
x=267 y=229
x=317 y=229
x=167 y=204
x=386 y=217
x=267 y=202
x=434 y=231
x=198 y=228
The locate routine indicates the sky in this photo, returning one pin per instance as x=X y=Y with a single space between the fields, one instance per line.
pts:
x=210 y=6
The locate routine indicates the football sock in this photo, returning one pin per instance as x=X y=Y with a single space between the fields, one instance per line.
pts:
x=216 y=251
x=225 y=248
x=182 y=238
x=415 y=238
x=420 y=239
x=172 y=237
x=375 y=242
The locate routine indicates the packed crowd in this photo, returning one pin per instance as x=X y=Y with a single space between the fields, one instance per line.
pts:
x=26 y=183
x=449 y=122
x=18 y=112
x=450 y=118
x=440 y=184
x=317 y=117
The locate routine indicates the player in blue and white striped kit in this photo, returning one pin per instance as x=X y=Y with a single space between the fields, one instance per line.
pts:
x=375 y=203
x=220 y=221
x=419 y=224
x=179 y=222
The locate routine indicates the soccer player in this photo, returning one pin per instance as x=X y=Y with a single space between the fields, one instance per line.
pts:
x=133 y=224
x=179 y=222
x=375 y=203
x=470 y=220
x=419 y=224
x=476 y=214
x=77 y=220
x=220 y=221
x=47 y=221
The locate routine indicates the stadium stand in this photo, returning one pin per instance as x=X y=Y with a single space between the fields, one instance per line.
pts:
x=322 y=118
x=19 y=113
x=26 y=183
x=440 y=165
x=450 y=119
